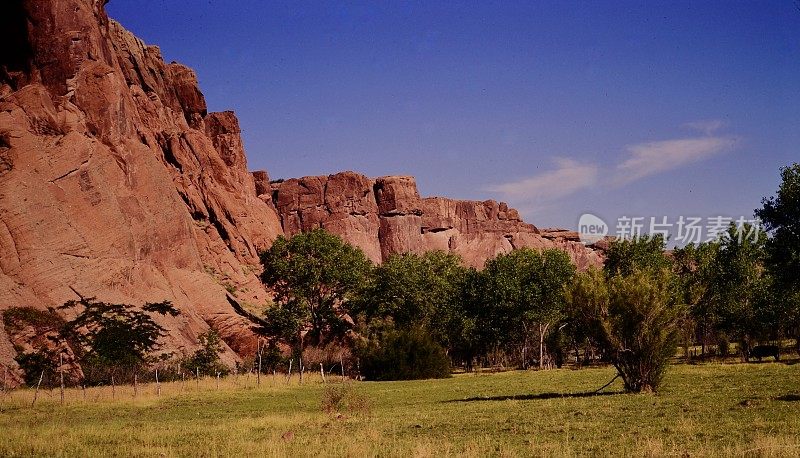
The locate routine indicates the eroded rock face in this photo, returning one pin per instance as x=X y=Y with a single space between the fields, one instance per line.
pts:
x=386 y=215
x=115 y=182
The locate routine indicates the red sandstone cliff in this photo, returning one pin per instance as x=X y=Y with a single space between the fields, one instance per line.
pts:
x=386 y=216
x=115 y=182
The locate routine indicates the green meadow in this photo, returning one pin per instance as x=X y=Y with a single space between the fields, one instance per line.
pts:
x=701 y=410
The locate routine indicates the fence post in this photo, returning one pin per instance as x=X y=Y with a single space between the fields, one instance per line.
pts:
x=301 y=370
x=158 y=384
x=322 y=372
x=289 y=375
x=36 y=394
x=61 y=374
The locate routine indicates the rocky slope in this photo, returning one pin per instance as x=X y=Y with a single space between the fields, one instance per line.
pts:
x=386 y=215
x=115 y=182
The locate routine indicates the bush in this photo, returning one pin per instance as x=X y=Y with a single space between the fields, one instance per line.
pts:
x=16 y=318
x=331 y=356
x=42 y=361
x=723 y=345
x=344 y=398
x=206 y=359
x=38 y=364
x=404 y=355
x=633 y=319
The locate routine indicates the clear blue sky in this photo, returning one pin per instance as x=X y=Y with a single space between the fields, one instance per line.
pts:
x=615 y=108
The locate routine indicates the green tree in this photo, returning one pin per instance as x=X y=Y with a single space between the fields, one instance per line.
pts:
x=780 y=215
x=419 y=291
x=587 y=300
x=313 y=275
x=633 y=318
x=38 y=364
x=115 y=335
x=740 y=286
x=693 y=266
x=206 y=359
x=468 y=339
x=524 y=291
x=555 y=273
x=626 y=256
x=508 y=291
x=38 y=327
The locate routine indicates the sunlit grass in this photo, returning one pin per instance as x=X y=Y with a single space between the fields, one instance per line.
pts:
x=702 y=410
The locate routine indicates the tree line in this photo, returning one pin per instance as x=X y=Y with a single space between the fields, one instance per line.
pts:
x=532 y=308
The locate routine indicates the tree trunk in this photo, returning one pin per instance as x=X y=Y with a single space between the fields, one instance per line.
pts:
x=686 y=348
x=542 y=331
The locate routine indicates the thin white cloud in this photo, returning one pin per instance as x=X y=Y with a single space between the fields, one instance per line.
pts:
x=644 y=159
x=656 y=157
x=706 y=126
x=567 y=178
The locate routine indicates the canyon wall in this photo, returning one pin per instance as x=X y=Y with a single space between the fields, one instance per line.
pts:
x=386 y=215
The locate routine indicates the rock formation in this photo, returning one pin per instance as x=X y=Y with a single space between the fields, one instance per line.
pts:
x=115 y=182
x=386 y=215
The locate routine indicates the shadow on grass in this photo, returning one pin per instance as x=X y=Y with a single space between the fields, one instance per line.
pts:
x=789 y=397
x=539 y=396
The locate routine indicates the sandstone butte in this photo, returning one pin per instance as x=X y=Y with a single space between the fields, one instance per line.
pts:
x=117 y=183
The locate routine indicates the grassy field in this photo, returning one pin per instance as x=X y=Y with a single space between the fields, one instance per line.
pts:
x=713 y=409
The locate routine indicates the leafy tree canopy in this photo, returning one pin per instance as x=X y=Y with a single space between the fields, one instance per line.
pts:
x=314 y=275
x=418 y=290
x=739 y=284
x=116 y=334
x=780 y=215
x=521 y=288
x=625 y=256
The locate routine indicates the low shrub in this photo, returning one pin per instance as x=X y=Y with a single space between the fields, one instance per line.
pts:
x=206 y=360
x=16 y=318
x=344 y=398
x=38 y=365
x=404 y=355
